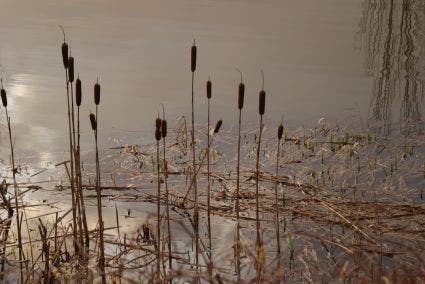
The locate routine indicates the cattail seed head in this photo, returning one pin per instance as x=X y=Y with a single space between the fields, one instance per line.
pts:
x=217 y=126
x=280 y=132
x=193 y=58
x=65 y=54
x=241 y=95
x=78 y=95
x=262 y=102
x=3 y=97
x=93 y=122
x=209 y=89
x=157 y=123
x=71 y=69
x=97 y=93
x=158 y=134
x=164 y=128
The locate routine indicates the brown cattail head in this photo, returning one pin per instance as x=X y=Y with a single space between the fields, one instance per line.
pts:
x=97 y=93
x=157 y=123
x=78 y=92
x=3 y=97
x=164 y=128
x=262 y=102
x=217 y=126
x=93 y=121
x=65 y=54
x=209 y=89
x=71 y=69
x=158 y=134
x=193 y=58
x=241 y=95
x=280 y=132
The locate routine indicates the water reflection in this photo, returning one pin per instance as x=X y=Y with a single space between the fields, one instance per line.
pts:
x=392 y=39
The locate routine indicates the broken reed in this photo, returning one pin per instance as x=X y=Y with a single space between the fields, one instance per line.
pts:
x=165 y=169
x=193 y=55
x=69 y=74
x=259 y=245
x=209 y=93
x=15 y=184
x=279 y=138
x=241 y=97
x=158 y=123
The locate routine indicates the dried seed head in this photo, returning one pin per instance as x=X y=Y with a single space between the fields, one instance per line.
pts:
x=78 y=92
x=262 y=102
x=164 y=128
x=217 y=126
x=158 y=134
x=241 y=95
x=93 y=122
x=280 y=132
x=193 y=58
x=3 y=97
x=65 y=54
x=209 y=87
x=157 y=123
x=97 y=93
x=71 y=69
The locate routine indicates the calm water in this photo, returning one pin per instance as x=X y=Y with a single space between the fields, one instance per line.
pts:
x=339 y=59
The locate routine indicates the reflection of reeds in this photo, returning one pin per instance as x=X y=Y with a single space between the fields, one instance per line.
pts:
x=392 y=35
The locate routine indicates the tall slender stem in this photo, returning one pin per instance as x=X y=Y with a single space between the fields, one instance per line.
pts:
x=195 y=192
x=276 y=199
x=158 y=213
x=170 y=260
x=257 y=204
x=238 y=261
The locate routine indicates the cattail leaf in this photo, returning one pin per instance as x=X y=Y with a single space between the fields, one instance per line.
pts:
x=280 y=132
x=93 y=121
x=241 y=95
x=71 y=69
x=262 y=102
x=158 y=134
x=164 y=128
x=97 y=93
x=78 y=94
x=209 y=89
x=65 y=54
x=217 y=126
x=193 y=58
x=3 y=97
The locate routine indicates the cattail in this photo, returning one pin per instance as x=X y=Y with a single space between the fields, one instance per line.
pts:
x=164 y=128
x=97 y=93
x=71 y=69
x=78 y=92
x=262 y=103
x=3 y=97
x=193 y=58
x=209 y=89
x=158 y=134
x=217 y=126
x=280 y=132
x=65 y=54
x=158 y=123
x=93 y=121
x=241 y=95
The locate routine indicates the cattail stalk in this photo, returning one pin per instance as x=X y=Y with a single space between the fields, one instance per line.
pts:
x=65 y=59
x=78 y=99
x=158 y=123
x=164 y=135
x=15 y=184
x=209 y=93
x=241 y=96
x=193 y=55
x=279 y=137
x=259 y=245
